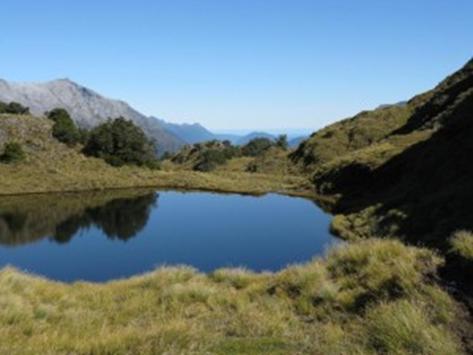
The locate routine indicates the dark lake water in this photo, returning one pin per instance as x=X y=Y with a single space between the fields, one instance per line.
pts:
x=107 y=235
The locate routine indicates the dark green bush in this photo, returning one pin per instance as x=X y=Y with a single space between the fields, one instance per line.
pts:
x=64 y=129
x=230 y=151
x=166 y=156
x=256 y=146
x=281 y=142
x=83 y=135
x=210 y=159
x=121 y=142
x=14 y=108
x=12 y=153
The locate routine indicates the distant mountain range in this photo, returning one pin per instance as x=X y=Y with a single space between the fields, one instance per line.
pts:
x=293 y=141
x=89 y=109
x=189 y=133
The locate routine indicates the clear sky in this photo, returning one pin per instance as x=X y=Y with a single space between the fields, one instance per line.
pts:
x=239 y=64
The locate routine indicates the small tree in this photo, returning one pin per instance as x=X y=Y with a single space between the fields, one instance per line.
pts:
x=121 y=142
x=256 y=146
x=166 y=156
x=281 y=142
x=12 y=153
x=83 y=135
x=17 y=109
x=3 y=107
x=210 y=159
x=64 y=129
x=13 y=108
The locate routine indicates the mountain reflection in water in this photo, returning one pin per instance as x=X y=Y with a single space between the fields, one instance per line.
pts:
x=101 y=236
x=119 y=215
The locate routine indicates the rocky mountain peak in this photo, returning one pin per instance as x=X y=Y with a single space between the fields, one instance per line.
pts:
x=86 y=107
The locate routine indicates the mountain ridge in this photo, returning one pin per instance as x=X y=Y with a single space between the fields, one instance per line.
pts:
x=87 y=107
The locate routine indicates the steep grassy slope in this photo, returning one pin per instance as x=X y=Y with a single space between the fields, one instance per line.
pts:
x=352 y=134
x=413 y=179
x=426 y=187
x=401 y=170
x=369 y=297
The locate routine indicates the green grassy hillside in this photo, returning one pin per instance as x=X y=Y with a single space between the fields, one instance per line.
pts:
x=409 y=178
x=222 y=156
x=350 y=135
x=51 y=166
x=402 y=170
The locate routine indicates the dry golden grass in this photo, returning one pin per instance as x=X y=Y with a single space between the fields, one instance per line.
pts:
x=462 y=244
x=369 y=297
x=53 y=167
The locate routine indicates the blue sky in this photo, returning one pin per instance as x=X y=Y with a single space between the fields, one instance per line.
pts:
x=240 y=64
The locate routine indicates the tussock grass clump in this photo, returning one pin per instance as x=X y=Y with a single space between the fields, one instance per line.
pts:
x=309 y=308
x=404 y=327
x=238 y=278
x=462 y=244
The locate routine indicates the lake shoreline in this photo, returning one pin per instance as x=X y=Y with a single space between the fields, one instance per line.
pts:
x=239 y=183
x=178 y=307
x=160 y=227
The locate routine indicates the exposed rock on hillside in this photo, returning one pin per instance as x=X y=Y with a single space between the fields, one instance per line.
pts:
x=86 y=107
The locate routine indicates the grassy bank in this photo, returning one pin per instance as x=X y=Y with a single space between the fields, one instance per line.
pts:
x=51 y=166
x=368 y=297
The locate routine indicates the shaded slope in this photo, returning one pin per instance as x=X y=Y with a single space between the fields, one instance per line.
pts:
x=422 y=191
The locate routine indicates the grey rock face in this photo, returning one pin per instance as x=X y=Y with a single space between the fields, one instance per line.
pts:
x=86 y=107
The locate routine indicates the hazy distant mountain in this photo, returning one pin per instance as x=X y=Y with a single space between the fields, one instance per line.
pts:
x=245 y=139
x=86 y=107
x=234 y=138
x=190 y=133
x=294 y=142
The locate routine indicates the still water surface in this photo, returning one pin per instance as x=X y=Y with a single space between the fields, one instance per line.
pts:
x=107 y=235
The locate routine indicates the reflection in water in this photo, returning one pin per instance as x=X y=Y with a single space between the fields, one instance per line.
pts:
x=205 y=230
x=120 y=215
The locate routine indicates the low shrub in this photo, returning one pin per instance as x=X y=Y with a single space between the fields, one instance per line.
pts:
x=12 y=153
x=281 y=142
x=14 y=108
x=210 y=159
x=64 y=128
x=256 y=146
